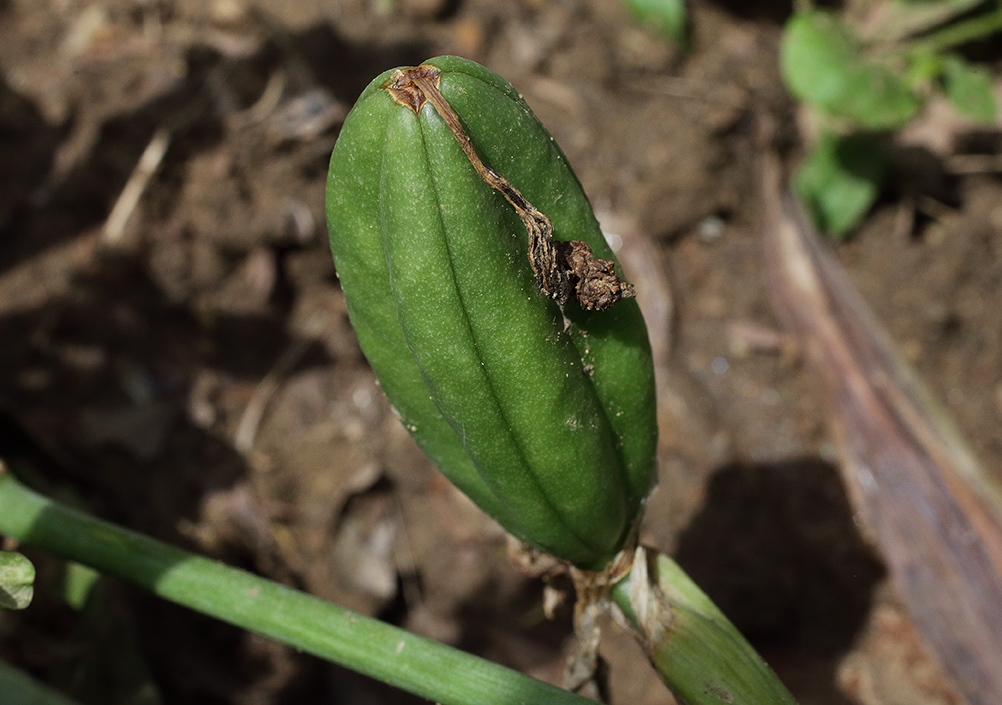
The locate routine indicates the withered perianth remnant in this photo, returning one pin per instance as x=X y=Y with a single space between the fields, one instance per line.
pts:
x=561 y=268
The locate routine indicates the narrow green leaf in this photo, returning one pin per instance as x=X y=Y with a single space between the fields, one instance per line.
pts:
x=975 y=28
x=969 y=88
x=840 y=179
x=100 y=659
x=18 y=688
x=426 y=668
x=824 y=64
x=904 y=18
x=670 y=18
x=78 y=583
x=17 y=581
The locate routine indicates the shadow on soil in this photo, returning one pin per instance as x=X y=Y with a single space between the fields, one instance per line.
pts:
x=776 y=549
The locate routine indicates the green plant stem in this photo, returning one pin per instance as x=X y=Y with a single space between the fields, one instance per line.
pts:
x=426 y=668
x=958 y=33
x=699 y=654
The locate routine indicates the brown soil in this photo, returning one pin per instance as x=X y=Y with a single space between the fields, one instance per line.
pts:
x=193 y=375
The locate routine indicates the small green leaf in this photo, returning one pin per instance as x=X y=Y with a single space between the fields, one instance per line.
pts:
x=666 y=17
x=17 y=581
x=969 y=88
x=824 y=64
x=839 y=180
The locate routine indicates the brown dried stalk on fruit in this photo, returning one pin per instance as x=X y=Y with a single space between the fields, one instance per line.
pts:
x=561 y=268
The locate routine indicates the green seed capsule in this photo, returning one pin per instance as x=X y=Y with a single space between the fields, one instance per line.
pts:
x=539 y=408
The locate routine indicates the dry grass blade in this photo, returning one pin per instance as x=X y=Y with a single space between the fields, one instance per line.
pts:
x=935 y=514
x=114 y=227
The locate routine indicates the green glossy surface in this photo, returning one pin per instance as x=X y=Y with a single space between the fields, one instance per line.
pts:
x=485 y=372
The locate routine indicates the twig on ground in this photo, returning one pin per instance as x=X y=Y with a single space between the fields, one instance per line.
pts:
x=243 y=439
x=128 y=199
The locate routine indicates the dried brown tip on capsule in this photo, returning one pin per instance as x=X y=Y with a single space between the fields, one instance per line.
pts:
x=561 y=268
x=404 y=85
x=596 y=284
